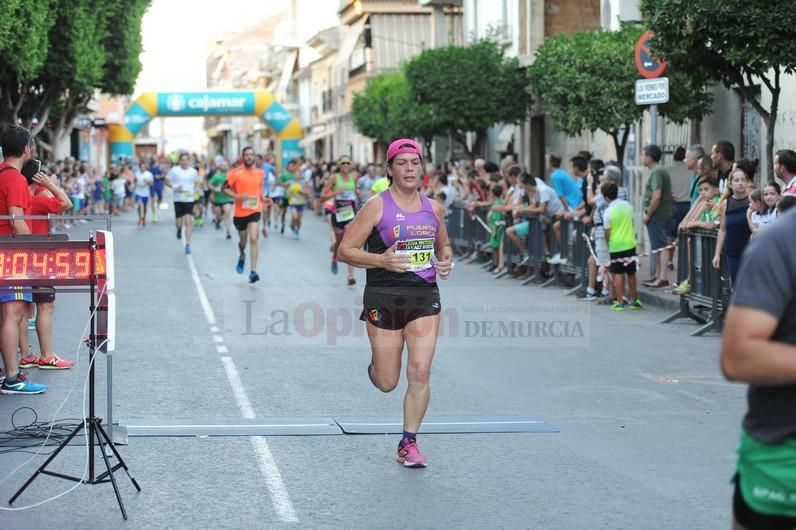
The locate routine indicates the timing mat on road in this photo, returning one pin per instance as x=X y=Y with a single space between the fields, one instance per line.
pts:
x=331 y=426
x=447 y=425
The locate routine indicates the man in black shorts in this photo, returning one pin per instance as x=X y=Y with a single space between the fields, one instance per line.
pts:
x=759 y=348
x=183 y=180
x=245 y=185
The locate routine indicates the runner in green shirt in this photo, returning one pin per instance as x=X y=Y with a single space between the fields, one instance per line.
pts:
x=222 y=203
x=285 y=179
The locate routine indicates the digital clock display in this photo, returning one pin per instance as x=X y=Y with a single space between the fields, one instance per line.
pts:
x=34 y=263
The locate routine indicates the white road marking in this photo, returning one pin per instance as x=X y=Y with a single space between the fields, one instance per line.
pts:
x=209 y=315
x=218 y=339
x=273 y=478
x=268 y=468
x=214 y=329
x=222 y=349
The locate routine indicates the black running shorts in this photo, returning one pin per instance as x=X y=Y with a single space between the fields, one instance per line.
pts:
x=183 y=208
x=44 y=295
x=242 y=223
x=394 y=307
x=623 y=267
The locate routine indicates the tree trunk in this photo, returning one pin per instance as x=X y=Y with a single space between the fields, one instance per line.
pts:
x=427 y=143
x=620 y=145
x=480 y=142
x=462 y=140
x=770 y=127
x=769 y=117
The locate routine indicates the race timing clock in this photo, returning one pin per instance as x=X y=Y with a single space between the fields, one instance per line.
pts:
x=51 y=263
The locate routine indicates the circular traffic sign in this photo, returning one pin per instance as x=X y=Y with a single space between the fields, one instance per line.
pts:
x=647 y=65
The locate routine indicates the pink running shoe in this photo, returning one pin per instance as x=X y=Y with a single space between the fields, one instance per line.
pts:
x=409 y=455
x=53 y=362
x=29 y=361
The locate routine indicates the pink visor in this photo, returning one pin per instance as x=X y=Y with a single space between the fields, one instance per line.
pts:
x=403 y=145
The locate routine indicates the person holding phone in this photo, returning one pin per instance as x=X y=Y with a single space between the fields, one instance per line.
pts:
x=46 y=198
x=407 y=249
x=18 y=148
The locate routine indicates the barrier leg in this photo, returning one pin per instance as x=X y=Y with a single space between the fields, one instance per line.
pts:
x=716 y=326
x=683 y=312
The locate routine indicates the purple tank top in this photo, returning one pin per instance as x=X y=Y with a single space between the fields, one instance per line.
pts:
x=415 y=233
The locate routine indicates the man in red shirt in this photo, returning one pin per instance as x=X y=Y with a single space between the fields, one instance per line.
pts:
x=46 y=198
x=18 y=147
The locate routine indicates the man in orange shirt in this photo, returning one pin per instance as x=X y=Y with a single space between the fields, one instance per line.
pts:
x=245 y=185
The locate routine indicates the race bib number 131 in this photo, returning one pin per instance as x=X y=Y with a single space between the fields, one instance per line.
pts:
x=420 y=252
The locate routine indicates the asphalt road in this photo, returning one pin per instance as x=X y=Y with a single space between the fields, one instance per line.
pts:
x=648 y=427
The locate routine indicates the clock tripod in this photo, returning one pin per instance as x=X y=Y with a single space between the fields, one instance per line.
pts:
x=92 y=425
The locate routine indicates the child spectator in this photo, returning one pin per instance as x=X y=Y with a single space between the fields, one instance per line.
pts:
x=707 y=218
x=763 y=206
x=621 y=236
x=758 y=215
x=702 y=216
x=703 y=169
x=497 y=226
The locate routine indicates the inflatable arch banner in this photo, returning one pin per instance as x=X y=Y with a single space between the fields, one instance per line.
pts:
x=258 y=103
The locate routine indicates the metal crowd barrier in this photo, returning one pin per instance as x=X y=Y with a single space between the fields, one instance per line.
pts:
x=457 y=219
x=710 y=287
x=574 y=254
x=537 y=226
x=469 y=233
x=466 y=232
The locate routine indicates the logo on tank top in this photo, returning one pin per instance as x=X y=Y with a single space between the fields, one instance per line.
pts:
x=400 y=217
x=396 y=231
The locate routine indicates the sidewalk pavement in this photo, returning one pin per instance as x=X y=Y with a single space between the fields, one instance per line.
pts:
x=661 y=298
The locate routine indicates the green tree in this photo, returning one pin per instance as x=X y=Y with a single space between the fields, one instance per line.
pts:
x=587 y=81
x=469 y=89
x=23 y=51
x=740 y=43
x=123 y=46
x=7 y=23
x=385 y=111
x=50 y=71
x=73 y=70
x=99 y=50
